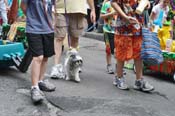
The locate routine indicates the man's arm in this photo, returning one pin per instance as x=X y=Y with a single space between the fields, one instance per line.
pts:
x=92 y=7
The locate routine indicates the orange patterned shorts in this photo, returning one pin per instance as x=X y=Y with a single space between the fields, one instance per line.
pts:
x=128 y=47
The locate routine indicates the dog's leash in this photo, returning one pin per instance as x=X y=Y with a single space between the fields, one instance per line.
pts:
x=67 y=24
x=92 y=27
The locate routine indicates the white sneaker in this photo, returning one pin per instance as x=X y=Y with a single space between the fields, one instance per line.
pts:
x=57 y=72
x=54 y=73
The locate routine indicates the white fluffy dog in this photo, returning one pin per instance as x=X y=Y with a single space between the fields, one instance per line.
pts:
x=73 y=63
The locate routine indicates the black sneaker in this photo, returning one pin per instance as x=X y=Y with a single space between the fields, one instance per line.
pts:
x=36 y=95
x=143 y=85
x=46 y=86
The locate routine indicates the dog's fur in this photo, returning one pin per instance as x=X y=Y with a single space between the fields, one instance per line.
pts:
x=73 y=63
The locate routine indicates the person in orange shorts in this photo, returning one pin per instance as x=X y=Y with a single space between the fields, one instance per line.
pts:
x=128 y=40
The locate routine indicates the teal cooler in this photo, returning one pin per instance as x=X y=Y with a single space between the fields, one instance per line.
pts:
x=9 y=52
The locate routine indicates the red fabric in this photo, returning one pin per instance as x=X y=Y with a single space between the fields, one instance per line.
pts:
x=127 y=47
x=12 y=14
x=1 y=21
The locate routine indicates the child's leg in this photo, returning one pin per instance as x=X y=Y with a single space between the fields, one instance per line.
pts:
x=138 y=66
x=108 y=59
x=109 y=40
x=48 y=51
x=43 y=68
x=120 y=65
x=140 y=83
x=108 y=49
x=35 y=69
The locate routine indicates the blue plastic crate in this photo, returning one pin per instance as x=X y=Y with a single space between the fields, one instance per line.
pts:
x=9 y=50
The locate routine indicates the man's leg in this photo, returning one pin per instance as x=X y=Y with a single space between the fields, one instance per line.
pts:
x=36 y=47
x=74 y=42
x=48 y=51
x=76 y=28
x=60 y=33
x=58 y=43
x=43 y=68
x=36 y=94
x=57 y=70
x=35 y=69
x=45 y=85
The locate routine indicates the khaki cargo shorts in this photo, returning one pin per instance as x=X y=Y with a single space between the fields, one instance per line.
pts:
x=73 y=24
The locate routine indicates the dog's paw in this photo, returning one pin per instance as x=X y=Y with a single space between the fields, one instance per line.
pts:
x=67 y=78
x=77 y=79
x=76 y=75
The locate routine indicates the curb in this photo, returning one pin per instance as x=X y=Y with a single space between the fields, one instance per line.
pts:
x=94 y=35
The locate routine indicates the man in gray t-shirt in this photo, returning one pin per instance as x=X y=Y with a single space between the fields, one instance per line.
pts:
x=36 y=16
x=40 y=35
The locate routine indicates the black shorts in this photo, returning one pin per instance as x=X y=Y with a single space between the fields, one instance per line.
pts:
x=41 y=44
x=109 y=39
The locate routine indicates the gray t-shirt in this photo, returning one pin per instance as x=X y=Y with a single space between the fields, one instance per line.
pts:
x=36 y=21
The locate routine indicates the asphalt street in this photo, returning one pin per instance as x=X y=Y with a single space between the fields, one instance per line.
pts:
x=93 y=96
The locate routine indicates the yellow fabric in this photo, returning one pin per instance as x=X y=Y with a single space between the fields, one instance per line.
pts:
x=72 y=6
x=13 y=29
x=163 y=35
x=173 y=46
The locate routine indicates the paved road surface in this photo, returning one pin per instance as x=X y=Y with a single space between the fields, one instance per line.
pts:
x=94 y=96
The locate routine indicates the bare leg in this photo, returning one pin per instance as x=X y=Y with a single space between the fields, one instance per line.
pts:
x=138 y=66
x=120 y=65
x=119 y=79
x=35 y=69
x=74 y=42
x=108 y=59
x=57 y=69
x=58 y=49
x=43 y=68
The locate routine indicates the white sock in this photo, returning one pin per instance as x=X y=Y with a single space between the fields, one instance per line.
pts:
x=40 y=81
x=139 y=79
x=35 y=86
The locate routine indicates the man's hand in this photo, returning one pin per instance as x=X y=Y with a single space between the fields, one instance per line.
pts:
x=92 y=7
x=93 y=16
